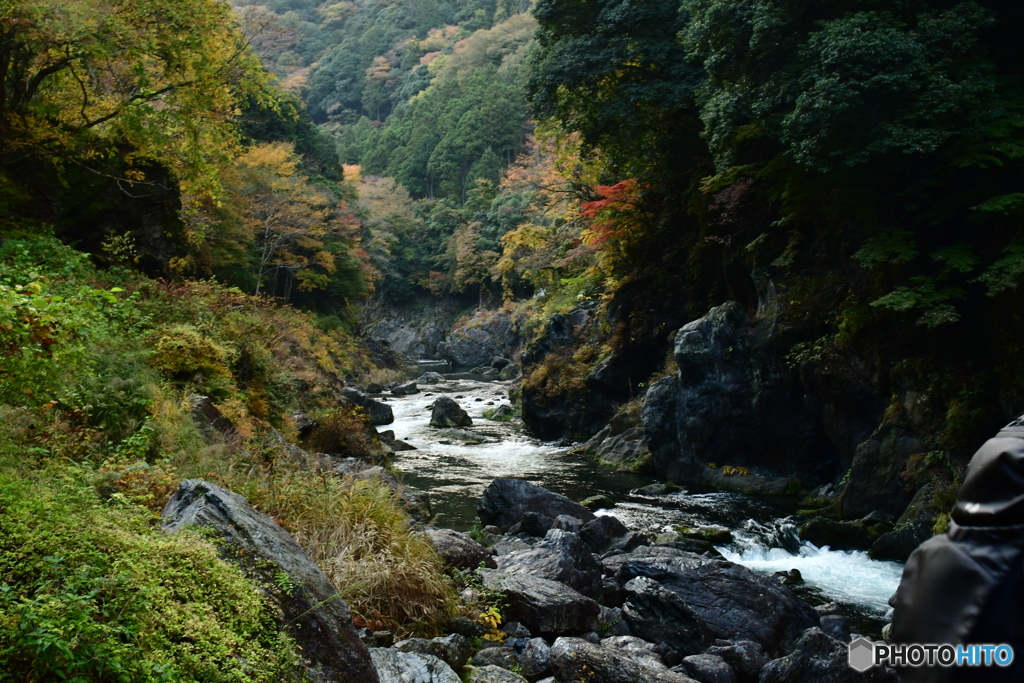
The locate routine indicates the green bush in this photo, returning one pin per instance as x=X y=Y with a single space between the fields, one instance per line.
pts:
x=90 y=591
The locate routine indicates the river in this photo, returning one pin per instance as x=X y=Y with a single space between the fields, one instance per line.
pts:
x=764 y=532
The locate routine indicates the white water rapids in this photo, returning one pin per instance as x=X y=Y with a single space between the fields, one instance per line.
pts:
x=456 y=473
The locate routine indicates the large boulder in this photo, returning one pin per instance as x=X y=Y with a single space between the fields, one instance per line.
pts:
x=447 y=413
x=379 y=413
x=407 y=389
x=458 y=550
x=626 y=451
x=734 y=602
x=601 y=531
x=505 y=501
x=575 y=659
x=311 y=610
x=562 y=556
x=535 y=659
x=661 y=616
x=875 y=481
x=394 y=666
x=542 y=605
x=732 y=402
x=818 y=659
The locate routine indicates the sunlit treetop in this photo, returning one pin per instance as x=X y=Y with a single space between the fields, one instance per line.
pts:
x=148 y=82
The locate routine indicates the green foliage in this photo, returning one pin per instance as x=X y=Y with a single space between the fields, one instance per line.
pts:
x=91 y=591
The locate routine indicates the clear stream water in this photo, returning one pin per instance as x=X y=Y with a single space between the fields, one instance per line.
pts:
x=764 y=534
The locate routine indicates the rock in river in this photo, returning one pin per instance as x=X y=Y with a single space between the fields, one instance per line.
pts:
x=447 y=413
x=734 y=602
x=505 y=501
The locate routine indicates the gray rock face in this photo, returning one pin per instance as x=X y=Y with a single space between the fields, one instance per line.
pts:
x=454 y=649
x=447 y=413
x=744 y=657
x=505 y=501
x=575 y=659
x=734 y=602
x=488 y=335
x=313 y=612
x=394 y=666
x=379 y=413
x=562 y=556
x=875 y=482
x=208 y=418
x=459 y=550
x=626 y=451
x=494 y=674
x=431 y=378
x=658 y=615
x=732 y=402
x=535 y=659
x=708 y=669
x=817 y=659
x=544 y=606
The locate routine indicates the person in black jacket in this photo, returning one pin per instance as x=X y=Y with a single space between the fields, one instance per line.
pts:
x=967 y=586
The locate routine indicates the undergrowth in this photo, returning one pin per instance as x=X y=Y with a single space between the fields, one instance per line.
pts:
x=95 y=384
x=92 y=591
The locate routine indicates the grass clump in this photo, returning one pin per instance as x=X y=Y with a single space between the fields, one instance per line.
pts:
x=91 y=591
x=357 y=531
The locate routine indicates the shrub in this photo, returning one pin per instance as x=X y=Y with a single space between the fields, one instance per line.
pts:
x=344 y=431
x=92 y=592
x=180 y=351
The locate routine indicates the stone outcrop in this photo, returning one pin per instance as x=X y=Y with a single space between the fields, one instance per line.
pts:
x=312 y=611
x=732 y=402
x=484 y=337
x=378 y=412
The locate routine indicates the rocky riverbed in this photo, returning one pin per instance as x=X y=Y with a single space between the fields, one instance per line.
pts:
x=644 y=582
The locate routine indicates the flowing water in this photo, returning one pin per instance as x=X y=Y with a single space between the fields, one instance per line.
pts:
x=764 y=535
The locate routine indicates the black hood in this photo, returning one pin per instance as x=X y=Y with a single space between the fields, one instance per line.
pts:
x=993 y=491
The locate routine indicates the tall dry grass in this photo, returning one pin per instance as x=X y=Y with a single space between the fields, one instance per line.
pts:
x=356 y=531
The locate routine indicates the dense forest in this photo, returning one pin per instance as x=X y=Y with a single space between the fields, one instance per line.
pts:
x=203 y=201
